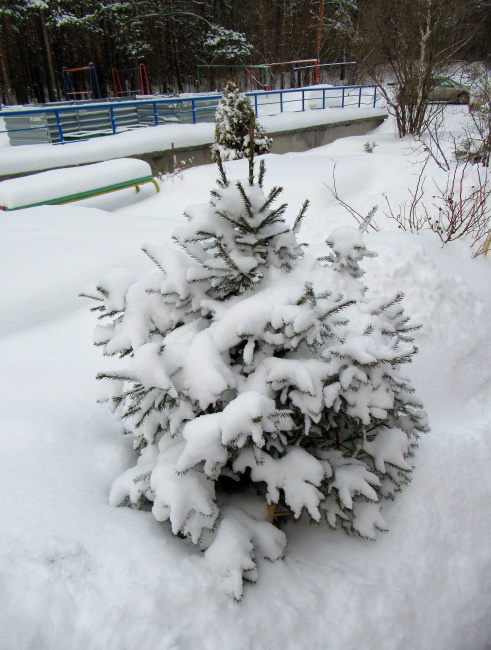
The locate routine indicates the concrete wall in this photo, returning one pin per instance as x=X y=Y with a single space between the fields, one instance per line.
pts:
x=163 y=162
x=317 y=136
x=301 y=139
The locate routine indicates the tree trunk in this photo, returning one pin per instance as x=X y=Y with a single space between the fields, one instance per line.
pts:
x=53 y=91
x=5 y=73
x=319 y=30
x=5 y=76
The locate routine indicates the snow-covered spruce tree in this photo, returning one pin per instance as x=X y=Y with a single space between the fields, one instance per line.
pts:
x=226 y=45
x=256 y=374
x=233 y=120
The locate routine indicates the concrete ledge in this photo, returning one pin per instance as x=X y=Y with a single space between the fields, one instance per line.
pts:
x=310 y=137
x=284 y=141
x=163 y=162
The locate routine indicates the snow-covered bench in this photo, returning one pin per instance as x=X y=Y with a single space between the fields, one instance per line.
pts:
x=74 y=183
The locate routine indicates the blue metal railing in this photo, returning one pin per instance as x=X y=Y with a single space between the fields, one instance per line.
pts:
x=77 y=121
x=329 y=96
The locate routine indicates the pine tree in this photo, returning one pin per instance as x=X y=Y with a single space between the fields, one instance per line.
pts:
x=233 y=120
x=257 y=374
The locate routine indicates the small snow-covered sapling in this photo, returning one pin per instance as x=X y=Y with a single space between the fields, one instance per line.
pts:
x=369 y=146
x=233 y=120
x=256 y=374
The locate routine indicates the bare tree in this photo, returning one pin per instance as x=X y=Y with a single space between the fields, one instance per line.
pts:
x=318 y=35
x=408 y=45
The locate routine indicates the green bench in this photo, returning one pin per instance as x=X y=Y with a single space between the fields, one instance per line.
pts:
x=69 y=184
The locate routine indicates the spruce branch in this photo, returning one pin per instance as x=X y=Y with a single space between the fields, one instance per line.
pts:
x=88 y=295
x=245 y=198
x=103 y=291
x=223 y=180
x=273 y=217
x=241 y=224
x=157 y=264
x=338 y=308
x=386 y=305
x=267 y=238
x=300 y=216
x=276 y=191
x=262 y=171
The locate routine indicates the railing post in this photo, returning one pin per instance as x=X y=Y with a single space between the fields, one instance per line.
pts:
x=374 y=96
x=194 y=113
x=303 y=100
x=155 y=114
x=342 y=100
x=359 y=97
x=60 y=130
x=281 y=102
x=255 y=104
x=111 y=115
x=323 y=98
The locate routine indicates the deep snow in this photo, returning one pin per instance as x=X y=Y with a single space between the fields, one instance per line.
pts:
x=77 y=573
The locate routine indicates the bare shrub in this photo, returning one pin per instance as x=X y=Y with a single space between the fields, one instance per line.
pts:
x=411 y=215
x=362 y=221
x=431 y=141
x=461 y=207
x=462 y=210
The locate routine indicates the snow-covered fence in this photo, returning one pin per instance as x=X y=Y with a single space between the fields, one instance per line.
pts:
x=61 y=124
x=314 y=97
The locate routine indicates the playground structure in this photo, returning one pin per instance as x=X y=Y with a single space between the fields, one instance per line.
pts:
x=271 y=81
x=266 y=76
x=277 y=75
x=94 y=92
x=68 y=82
x=281 y=68
x=299 y=74
x=142 y=72
x=234 y=71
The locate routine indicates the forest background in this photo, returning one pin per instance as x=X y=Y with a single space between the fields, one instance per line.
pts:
x=173 y=37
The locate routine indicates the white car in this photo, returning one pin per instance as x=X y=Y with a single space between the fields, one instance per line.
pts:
x=449 y=90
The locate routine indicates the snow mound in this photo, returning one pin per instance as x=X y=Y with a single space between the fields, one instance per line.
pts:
x=29 y=190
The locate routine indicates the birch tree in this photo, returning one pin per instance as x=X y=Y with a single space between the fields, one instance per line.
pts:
x=409 y=45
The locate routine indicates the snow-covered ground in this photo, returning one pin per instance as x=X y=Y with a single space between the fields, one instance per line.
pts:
x=77 y=573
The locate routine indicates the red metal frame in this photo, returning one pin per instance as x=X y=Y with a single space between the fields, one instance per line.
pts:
x=67 y=81
x=314 y=61
x=143 y=80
